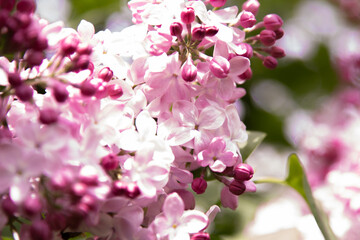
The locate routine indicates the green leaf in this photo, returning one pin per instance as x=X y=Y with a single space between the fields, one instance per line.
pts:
x=254 y=140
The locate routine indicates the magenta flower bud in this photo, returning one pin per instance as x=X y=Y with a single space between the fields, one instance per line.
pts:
x=14 y=79
x=220 y=66
x=34 y=58
x=109 y=162
x=79 y=189
x=7 y=4
x=57 y=221
x=60 y=93
x=237 y=187
x=198 y=33
x=246 y=75
x=199 y=185
x=243 y=172
x=69 y=45
x=26 y=6
x=119 y=188
x=277 y=52
x=267 y=37
x=106 y=74
x=273 y=22
x=270 y=62
x=176 y=29
x=88 y=175
x=187 y=15
x=279 y=33
x=132 y=191
x=211 y=31
x=87 y=89
x=89 y=201
x=48 y=116
x=40 y=44
x=4 y=16
x=82 y=62
x=200 y=236
x=84 y=49
x=251 y=6
x=247 y=19
x=114 y=91
x=24 y=92
x=248 y=50
x=32 y=205
x=23 y=19
x=189 y=71
x=8 y=206
x=40 y=230
x=217 y=3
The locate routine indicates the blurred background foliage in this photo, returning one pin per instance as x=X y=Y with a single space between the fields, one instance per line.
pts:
x=306 y=80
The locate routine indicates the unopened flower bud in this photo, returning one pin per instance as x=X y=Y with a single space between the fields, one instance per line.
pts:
x=60 y=93
x=89 y=201
x=132 y=190
x=247 y=19
x=84 y=49
x=82 y=62
x=14 y=79
x=32 y=205
x=248 y=50
x=79 y=189
x=8 y=206
x=272 y=22
x=109 y=162
x=114 y=91
x=48 y=116
x=187 y=15
x=211 y=31
x=267 y=37
x=26 y=6
x=199 y=185
x=237 y=187
x=220 y=66
x=87 y=89
x=270 y=62
x=251 y=6
x=217 y=3
x=106 y=74
x=34 y=58
x=176 y=29
x=189 y=71
x=279 y=33
x=7 y=4
x=88 y=175
x=24 y=92
x=243 y=172
x=198 y=33
x=40 y=44
x=69 y=45
x=119 y=188
x=277 y=52
x=200 y=236
x=40 y=230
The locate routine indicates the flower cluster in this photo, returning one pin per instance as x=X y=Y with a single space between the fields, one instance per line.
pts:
x=104 y=132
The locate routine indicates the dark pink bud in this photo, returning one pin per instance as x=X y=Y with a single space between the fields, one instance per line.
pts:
x=40 y=230
x=109 y=162
x=279 y=33
x=26 y=6
x=273 y=22
x=7 y=4
x=114 y=91
x=200 y=236
x=247 y=19
x=132 y=190
x=277 y=52
x=211 y=31
x=14 y=79
x=246 y=75
x=248 y=50
x=57 y=221
x=243 y=172
x=106 y=74
x=24 y=20
x=189 y=71
x=119 y=188
x=251 y=6
x=270 y=62
x=220 y=66
x=40 y=44
x=82 y=62
x=217 y=3
x=88 y=175
x=187 y=15
x=69 y=45
x=198 y=33
x=267 y=37
x=4 y=15
x=84 y=49
x=8 y=206
x=32 y=205
x=87 y=89
x=24 y=92
x=48 y=116
x=199 y=185
x=89 y=201
x=237 y=187
x=34 y=58
x=60 y=92
x=176 y=29
x=79 y=189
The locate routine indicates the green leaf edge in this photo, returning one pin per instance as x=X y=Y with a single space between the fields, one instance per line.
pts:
x=254 y=140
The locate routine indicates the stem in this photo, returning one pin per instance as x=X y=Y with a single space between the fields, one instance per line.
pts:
x=270 y=180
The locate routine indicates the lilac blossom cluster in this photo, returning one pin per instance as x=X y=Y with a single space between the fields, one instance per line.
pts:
x=105 y=132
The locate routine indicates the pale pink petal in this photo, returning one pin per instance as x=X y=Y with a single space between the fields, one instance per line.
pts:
x=86 y=30
x=193 y=221
x=212 y=212
x=250 y=186
x=145 y=124
x=185 y=112
x=228 y=199
x=218 y=166
x=239 y=65
x=211 y=118
x=226 y=15
x=221 y=49
x=173 y=208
